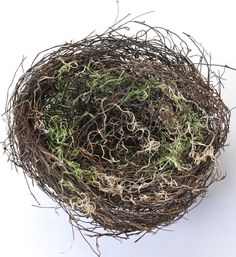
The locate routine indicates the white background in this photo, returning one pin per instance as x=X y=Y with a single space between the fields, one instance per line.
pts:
x=28 y=27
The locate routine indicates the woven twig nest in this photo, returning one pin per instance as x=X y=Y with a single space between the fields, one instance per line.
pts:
x=123 y=130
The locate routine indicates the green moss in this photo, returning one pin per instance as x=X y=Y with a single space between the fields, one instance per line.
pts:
x=172 y=153
x=66 y=68
x=61 y=140
x=190 y=129
x=106 y=83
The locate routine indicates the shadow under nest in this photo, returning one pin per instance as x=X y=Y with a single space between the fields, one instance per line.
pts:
x=124 y=130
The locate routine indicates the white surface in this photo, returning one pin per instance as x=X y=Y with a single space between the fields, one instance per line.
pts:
x=30 y=26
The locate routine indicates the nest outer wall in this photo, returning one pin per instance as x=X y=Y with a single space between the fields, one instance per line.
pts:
x=121 y=131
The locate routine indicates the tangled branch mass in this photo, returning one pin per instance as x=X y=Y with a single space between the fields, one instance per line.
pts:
x=121 y=131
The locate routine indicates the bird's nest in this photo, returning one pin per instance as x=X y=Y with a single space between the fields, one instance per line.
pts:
x=122 y=130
